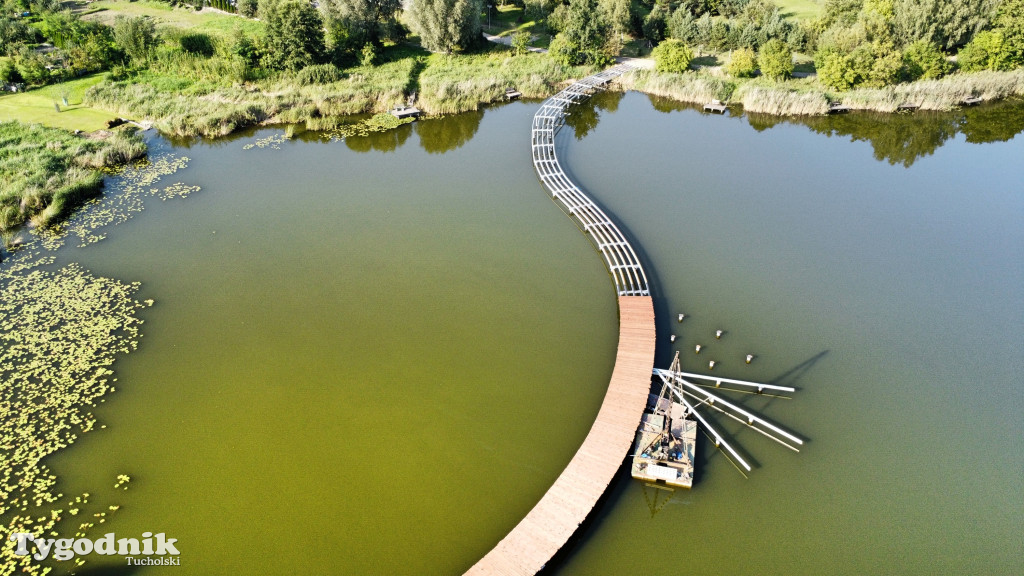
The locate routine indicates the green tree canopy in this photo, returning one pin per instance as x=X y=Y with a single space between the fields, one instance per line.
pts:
x=948 y=23
x=136 y=36
x=295 y=37
x=583 y=36
x=672 y=56
x=775 y=59
x=356 y=22
x=446 y=25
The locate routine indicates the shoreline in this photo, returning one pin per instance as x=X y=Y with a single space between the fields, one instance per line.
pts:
x=796 y=97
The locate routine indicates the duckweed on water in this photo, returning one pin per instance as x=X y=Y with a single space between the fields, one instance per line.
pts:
x=268 y=142
x=124 y=198
x=60 y=331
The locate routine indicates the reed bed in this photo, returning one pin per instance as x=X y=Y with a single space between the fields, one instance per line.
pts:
x=688 y=87
x=805 y=97
x=183 y=107
x=451 y=84
x=780 y=100
x=942 y=94
x=45 y=172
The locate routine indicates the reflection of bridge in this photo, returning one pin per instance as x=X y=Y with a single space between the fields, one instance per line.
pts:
x=548 y=526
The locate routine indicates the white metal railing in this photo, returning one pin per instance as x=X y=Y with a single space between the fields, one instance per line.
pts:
x=621 y=259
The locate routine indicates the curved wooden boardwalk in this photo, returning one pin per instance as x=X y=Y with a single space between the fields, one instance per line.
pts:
x=550 y=524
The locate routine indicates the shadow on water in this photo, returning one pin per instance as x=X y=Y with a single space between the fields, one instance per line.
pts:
x=440 y=135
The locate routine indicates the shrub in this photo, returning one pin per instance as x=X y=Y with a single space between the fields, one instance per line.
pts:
x=742 y=63
x=319 y=74
x=835 y=69
x=248 y=8
x=368 y=55
x=198 y=44
x=521 y=42
x=32 y=68
x=136 y=36
x=672 y=56
x=9 y=73
x=924 y=60
x=987 y=51
x=775 y=59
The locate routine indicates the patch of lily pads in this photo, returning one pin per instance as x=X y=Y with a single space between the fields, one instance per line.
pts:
x=61 y=330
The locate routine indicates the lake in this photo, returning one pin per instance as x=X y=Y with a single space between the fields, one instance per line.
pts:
x=374 y=356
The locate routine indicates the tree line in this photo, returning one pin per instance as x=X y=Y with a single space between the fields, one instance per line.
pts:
x=853 y=42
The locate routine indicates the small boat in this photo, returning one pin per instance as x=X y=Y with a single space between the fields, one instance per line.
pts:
x=666 y=443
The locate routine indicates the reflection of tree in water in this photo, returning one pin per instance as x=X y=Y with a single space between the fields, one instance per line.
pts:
x=439 y=135
x=993 y=123
x=666 y=105
x=387 y=141
x=904 y=138
x=897 y=138
x=583 y=118
x=762 y=122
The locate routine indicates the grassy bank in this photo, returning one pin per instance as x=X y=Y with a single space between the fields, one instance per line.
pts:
x=209 y=103
x=452 y=84
x=46 y=106
x=45 y=172
x=805 y=96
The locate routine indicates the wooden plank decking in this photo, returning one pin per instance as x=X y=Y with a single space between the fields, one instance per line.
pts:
x=550 y=524
x=532 y=543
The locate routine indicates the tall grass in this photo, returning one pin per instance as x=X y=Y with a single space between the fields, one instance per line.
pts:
x=188 y=95
x=689 y=87
x=780 y=99
x=451 y=84
x=803 y=97
x=45 y=173
x=942 y=94
x=185 y=106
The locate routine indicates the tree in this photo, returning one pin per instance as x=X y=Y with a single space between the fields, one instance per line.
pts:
x=775 y=59
x=135 y=36
x=583 y=36
x=835 y=69
x=987 y=51
x=446 y=25
x=362 y=20
x=672 y=56
x=520 y=42
x=248 y=8
x=924 y=60
x=742 y=63
x=295 y=36
x=948 y=23
x=618 y=16
x=9 y=73
x=656 y=23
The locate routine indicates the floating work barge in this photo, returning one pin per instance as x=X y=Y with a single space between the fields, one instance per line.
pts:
x=666 y=443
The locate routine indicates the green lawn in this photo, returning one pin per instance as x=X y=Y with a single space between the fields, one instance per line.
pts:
x=801 y=9
x=37 y=106
x=163 y=14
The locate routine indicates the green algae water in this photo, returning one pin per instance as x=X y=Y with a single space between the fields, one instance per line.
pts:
x=374 y=356
x=876 y=263
x=363 y=357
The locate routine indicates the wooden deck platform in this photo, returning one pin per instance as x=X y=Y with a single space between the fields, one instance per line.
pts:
x=405 y=112
x=716 y=106
x=548 y=526
x=837 y=108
